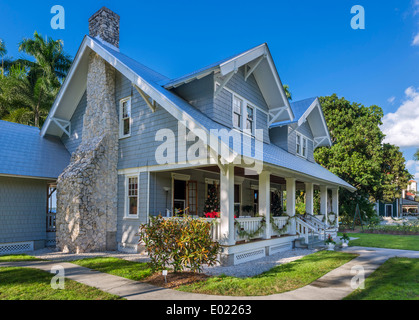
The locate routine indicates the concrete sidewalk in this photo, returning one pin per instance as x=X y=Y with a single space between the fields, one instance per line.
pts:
x=333 y=286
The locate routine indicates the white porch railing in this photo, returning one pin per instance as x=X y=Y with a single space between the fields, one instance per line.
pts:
x=304 y=229
x=245 y=227
x=249 y=226
x=280 y=222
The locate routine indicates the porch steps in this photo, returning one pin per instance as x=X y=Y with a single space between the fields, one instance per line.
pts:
x=314 y=242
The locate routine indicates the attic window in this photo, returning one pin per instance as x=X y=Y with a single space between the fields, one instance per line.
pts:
x=301 y=145
x=237 y=112
x=125 y=118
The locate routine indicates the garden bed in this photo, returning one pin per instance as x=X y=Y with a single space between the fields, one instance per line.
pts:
x=176 y=279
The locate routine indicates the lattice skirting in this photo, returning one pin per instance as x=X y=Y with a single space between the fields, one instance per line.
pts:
x=50 y=243
x=249 y=256
x=16 y=247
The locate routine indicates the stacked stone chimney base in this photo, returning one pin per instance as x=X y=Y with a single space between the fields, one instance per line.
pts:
x=87 y=189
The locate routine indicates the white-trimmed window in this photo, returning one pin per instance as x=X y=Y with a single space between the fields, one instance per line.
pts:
x=237 y=112
x=243 y=115
x=125 y=119
x=132 y=197
x=250 y=119
x=301 y=145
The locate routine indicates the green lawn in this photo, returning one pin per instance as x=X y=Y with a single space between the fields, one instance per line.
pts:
x=285 y=277
x=396 y=279
x=118 y=267
x=17 y=257
x=31 y=284
x=388 y=241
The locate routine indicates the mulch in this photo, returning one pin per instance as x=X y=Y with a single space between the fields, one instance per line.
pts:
x=175 y=279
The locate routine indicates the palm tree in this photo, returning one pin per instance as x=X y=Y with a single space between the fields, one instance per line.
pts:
x=51 y=62
x=30 y=87
x=3 y=52
x=287 y=91
x=27 y=99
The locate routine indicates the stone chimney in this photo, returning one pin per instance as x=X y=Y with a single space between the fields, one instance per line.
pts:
x=87 y=189
x=104 y=24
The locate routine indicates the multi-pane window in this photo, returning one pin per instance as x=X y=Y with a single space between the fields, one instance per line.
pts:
x=250 y=119
x=304 y=147
x=237 y=112
x=298 y=144
x=125 y=118
x=133 y=196
x=301 y=145
x=243 y=115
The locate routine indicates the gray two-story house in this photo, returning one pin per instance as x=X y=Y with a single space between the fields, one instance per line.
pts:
x=134 y=144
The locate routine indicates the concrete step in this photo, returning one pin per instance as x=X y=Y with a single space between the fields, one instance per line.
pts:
x=313 y=243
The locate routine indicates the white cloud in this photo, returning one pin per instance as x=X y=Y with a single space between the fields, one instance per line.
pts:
x=415 y=41
x=391 y=99
x=402 y=127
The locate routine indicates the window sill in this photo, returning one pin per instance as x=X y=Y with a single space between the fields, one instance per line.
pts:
x=124 y=137
x=131 y=218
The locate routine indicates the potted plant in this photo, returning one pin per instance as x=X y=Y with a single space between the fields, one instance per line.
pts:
x=330 y=243
x=345 y=240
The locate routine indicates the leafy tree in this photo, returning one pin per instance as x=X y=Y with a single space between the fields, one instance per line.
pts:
x=359 y=156
x=287 y=91
x=29 y=88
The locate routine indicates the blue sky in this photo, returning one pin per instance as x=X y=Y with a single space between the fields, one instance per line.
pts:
x=315 y=49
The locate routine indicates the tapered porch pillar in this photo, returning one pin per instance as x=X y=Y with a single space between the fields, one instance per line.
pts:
x=323 y=201
x=335 y=204
x=290 y=186
x=309 y=197
x=227 y=206
x=265 y=200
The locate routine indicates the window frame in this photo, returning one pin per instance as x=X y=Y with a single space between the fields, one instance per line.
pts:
x=303 y=145
x=241 y=117
x=122 y=119
x=127 y=214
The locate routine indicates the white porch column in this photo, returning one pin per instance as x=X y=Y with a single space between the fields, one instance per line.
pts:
x=265 y=200
x=227 y=206
x=323 y=201
x=309 y=197
x=335 y=204
x=290 y=185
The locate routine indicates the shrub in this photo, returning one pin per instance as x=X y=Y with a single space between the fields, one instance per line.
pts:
x=179 y=243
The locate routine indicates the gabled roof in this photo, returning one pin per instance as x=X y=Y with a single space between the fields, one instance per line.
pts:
x=150 y=83
x=23 y=152
x=309 y=110
x=260 y=63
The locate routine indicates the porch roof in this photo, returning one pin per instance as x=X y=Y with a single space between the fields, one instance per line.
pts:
x=25 y=153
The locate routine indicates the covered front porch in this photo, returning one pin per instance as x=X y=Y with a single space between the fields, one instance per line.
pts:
x=259 y=214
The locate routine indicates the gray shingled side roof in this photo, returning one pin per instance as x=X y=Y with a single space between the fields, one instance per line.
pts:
x=23 y=152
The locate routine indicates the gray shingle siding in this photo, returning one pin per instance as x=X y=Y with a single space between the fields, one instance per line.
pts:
x=72 y=142
x=127 y=228
x=199 y=93
x=22 y=209
x=248 y=89
x=139 y=149
x=279 y=137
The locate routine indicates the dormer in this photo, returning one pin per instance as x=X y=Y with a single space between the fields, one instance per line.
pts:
x=243 y=92
x=304 y=134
